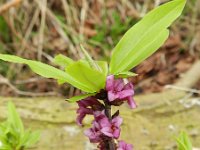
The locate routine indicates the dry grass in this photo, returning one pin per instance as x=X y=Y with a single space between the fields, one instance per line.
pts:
x=41 y=29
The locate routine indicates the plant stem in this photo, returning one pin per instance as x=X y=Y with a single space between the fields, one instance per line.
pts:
x=109 y=142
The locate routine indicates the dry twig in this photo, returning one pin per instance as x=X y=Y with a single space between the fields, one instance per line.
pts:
x=4 y=80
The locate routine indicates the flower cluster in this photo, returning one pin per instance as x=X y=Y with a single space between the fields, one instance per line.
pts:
x=118 y=91
x=105 y=128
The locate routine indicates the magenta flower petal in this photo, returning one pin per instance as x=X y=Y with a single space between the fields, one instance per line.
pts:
x=116 y=133
x=87 y=107
x=104 y=122
x=118 y=85
x=117 y=121
x=125 y=93
x=112 y=96
x=124 y=146
x=93 y=135
x=107 y=131
x=82 y=113
x=128 y=86
x=118 y=91
x=110 y=83
x=131 y=102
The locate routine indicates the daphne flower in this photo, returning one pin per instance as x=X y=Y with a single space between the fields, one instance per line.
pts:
x=110 y=128
x=124 y=146
x=94 y=133
x=118 y=91
x=87 y=107
x=102 y=127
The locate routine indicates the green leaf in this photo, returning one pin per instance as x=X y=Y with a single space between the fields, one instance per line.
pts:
x=91 y=62
x=144 y=38
x=50 y=72
x=79 y=97
x=62 y=60
x=87 y=76
x=6 y=147
x=3 y=127
x=104 y=66
x=14 y=119
x=125 y=74
x=30 y=138
x=184 y=142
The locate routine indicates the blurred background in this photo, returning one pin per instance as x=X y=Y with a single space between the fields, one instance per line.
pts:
x=41 y=29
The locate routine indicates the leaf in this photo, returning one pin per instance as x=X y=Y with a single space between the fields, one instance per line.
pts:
x=30 y=138
x=91 y=62
x=49 y=71
x=6 y=147
x=144 y=38
x=62 y=60
x=125 y=74
x=184 y=142
x=86 y=75
x=104 y=66
x=79 y=97
x=14 y=118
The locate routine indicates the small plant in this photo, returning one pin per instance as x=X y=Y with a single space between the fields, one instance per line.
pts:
x=184 y=142
x=105 y=86
x=12 y=133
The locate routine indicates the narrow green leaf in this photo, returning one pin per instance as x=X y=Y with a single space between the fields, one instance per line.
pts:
x=49 y=71
x=104 y=66
x=31 y=138
x=62 y=60
x=125 y=74
x=184 y=142
x=14 y=118
x=86 y=75
x=144 y=38
x=181 y=145
x=79 y=97
x=89 y=59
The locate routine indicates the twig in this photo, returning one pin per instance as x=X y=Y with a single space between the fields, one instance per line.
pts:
x=28 y=32
x=41 y=31
x=182 y=89
x=23 y=93
x=31 y=80
x=8 y=5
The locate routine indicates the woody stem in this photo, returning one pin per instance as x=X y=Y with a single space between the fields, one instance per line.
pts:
x=109 y=142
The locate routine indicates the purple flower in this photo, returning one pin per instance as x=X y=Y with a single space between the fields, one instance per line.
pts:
x=111 y=128
x=103 y=128
x=124 y=146
x=87 y=106
x=107 y=127
x=118 y=91
x=94 y=133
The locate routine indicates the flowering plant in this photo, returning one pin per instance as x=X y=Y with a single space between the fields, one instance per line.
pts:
x=105 y=86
